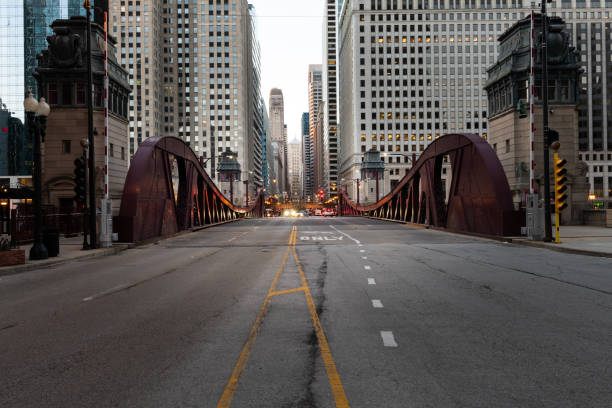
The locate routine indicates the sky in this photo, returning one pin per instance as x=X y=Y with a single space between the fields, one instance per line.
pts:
x=290 y=34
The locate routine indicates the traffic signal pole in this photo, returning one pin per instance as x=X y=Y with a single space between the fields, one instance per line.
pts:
x=90 y=135
x=547 y=223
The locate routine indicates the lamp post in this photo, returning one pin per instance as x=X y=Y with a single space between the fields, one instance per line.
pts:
x=90 y=134
x=37 y=126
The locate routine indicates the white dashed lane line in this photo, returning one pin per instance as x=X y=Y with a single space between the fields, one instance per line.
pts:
x=367 y=267
x=364 y=257
x=376 y=303
x=388 y=339
x=371 y=281
x=362 y=250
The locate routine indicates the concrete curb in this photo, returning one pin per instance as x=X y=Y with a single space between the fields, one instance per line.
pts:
x=556 y=248
x=510 y=240
x=102 y=252
x=99 y=253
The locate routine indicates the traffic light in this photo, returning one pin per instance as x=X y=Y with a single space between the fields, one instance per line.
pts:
x=553 y=139
x=321 y=194
x=80 y=189
x=560 y=187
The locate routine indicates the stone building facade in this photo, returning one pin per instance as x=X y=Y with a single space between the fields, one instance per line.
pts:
x=62 y=80
x=509 y=130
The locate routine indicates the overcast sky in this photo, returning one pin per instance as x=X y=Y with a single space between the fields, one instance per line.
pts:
x=290 y=34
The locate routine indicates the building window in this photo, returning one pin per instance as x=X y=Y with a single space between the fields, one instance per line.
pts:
x=122 y=153
x=52 y=93
x=112 y=150
x=67 y=93
x=66 y=146
x=80 y=94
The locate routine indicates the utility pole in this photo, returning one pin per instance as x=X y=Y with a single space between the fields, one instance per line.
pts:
x=547 y=221
x=93 y=244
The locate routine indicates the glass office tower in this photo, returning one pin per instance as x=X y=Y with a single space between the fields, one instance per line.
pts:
x=24 y=27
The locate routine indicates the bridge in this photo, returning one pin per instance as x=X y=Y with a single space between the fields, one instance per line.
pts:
x=167 y=191
x=311 y=312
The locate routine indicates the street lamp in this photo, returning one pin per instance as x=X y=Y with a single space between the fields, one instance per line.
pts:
x=37 y=126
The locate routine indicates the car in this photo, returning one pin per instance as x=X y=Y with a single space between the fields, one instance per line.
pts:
x=318 y=212
x=328 y=212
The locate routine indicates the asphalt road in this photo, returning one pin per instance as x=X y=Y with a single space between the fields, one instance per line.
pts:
x=312 y=312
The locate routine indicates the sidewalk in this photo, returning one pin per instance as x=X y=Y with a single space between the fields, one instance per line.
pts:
x=70 y=249
x=578 y=239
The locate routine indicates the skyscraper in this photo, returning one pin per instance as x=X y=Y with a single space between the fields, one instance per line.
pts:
x=278 y=134
x=330 y=96
x=315 y=97
x=307 y=158
x=413 y=70
x=194 y=68
x=294 y=149
x=24 y=27
x=142 y=51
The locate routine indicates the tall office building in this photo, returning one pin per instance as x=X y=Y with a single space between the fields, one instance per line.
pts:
x=315 y=97
x=330 y=96
x=307 y=158
x=194 y=68
x=142 y=49
x=413 y=70
x=278 y=135
x=294 y=153
x=24 y=27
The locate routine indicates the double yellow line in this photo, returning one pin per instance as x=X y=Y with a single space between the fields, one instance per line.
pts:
x=328 y=361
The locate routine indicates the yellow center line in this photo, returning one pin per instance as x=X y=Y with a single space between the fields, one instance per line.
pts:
x=284 y=292
x=232 y=384
x=328 y=360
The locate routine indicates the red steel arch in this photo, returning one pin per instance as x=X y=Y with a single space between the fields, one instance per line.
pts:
x=153 y=205
x=479 y=200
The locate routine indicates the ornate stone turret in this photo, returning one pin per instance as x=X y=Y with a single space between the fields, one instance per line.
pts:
x=508 y=93
x=62 y=80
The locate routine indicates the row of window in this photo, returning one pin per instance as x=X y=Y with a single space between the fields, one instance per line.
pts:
x=75 y=94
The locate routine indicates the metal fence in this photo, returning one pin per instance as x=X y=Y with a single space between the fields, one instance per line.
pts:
x=22 y=225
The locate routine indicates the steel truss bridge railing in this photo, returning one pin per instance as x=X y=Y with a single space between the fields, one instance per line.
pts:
x=479 y=200
x=167 y=190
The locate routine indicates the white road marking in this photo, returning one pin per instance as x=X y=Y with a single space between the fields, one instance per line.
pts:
x=106 y=292
x=362 y=250
x=346 y=235
x=388 y=339
x=371 y=281
x=364 y=257
x=377 y=304
x=367 y=267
